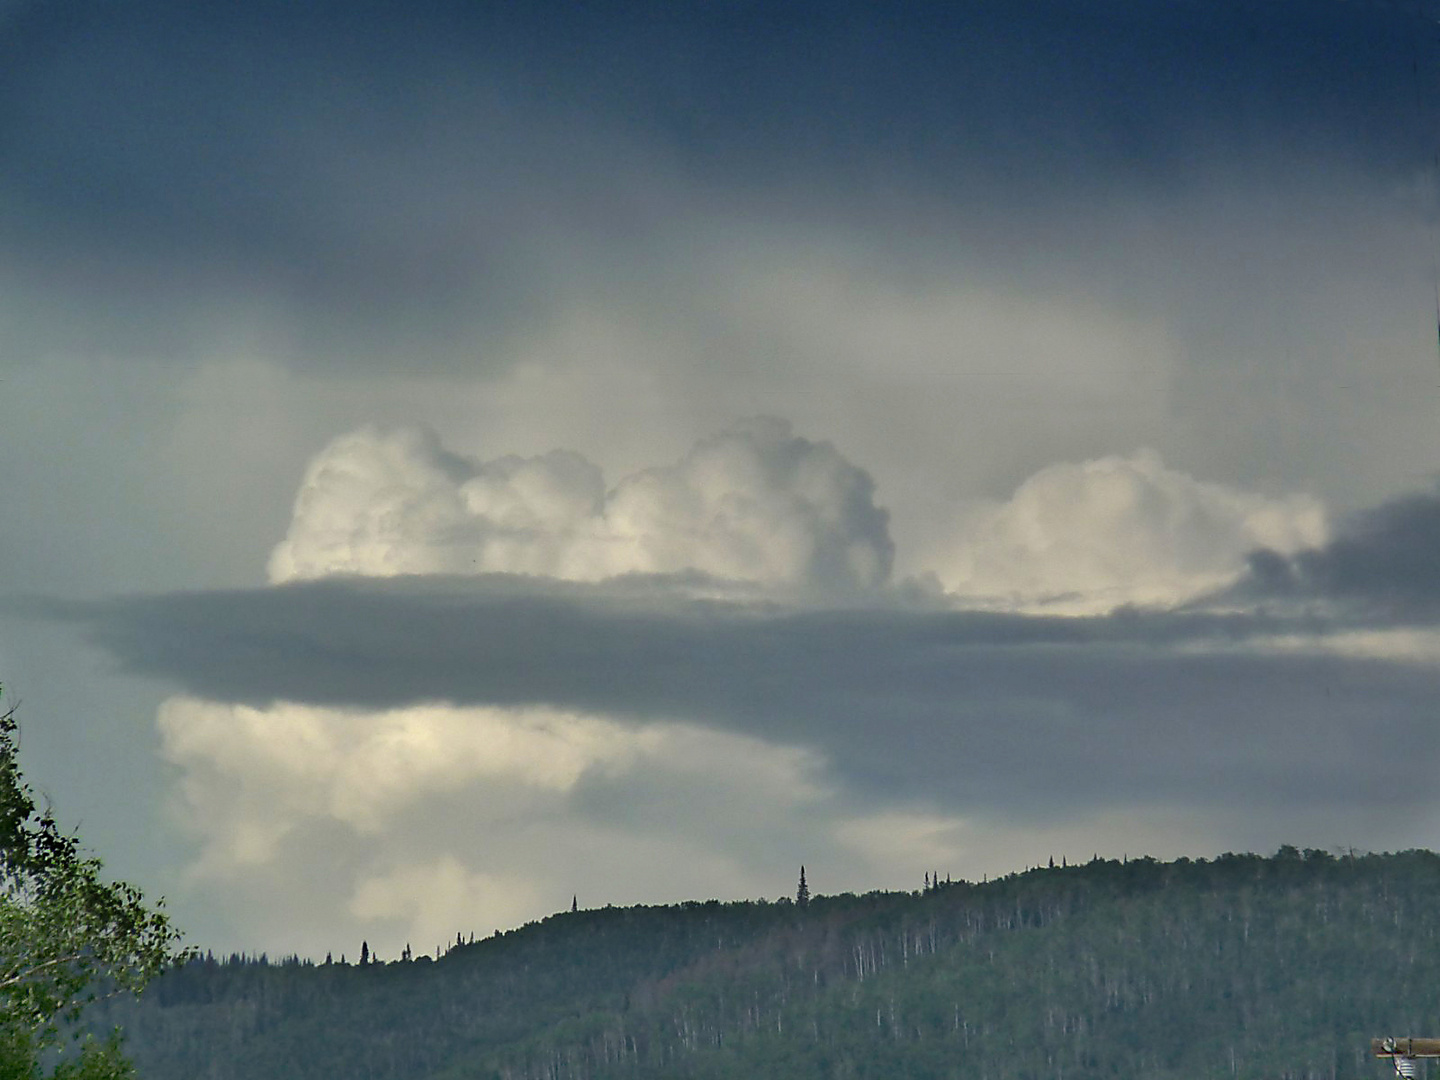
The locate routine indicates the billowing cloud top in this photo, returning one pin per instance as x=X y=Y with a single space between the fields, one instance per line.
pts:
x=754 y=503
x=1090 y=536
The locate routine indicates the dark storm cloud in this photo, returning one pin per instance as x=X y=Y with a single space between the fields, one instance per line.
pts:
x=371 y=175
x=1384 y=565
x=979 y=712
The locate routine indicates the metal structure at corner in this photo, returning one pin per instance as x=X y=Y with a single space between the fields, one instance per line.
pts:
x=1405 y=1053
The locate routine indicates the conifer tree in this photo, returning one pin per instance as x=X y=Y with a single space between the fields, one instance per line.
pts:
x=364 y=953
x=802 y=894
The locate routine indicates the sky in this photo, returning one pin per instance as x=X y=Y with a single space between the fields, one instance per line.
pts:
x=460 y=457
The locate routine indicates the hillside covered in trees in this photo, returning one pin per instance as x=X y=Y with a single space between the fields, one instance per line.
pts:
x=1240 y=967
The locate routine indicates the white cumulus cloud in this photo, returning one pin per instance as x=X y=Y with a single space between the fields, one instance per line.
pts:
x=408 y=825
x=754 y=503
x=1087 y=537
x=435 y=898
x=253 y=774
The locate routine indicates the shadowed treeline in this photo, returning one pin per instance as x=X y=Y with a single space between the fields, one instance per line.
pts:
x=1241 y=966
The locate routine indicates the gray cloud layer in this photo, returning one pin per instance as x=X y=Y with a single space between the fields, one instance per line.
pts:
x=1384 y=565
x=982 y=713
x=365 y=178
x=1387 y=556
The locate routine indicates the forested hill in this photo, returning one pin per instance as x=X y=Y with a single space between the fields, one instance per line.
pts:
x=1237 y=967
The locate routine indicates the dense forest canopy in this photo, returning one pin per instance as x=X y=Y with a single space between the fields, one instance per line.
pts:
x=1241 y=966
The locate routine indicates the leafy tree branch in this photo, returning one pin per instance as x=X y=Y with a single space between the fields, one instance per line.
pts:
x=67 y=936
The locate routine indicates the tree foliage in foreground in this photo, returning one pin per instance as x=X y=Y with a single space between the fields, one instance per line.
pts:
x=66 y=937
